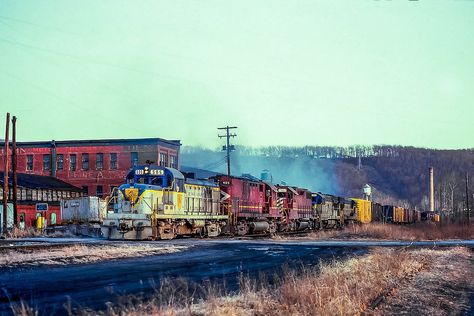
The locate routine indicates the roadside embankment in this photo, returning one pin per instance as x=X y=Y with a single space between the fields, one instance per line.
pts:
x=418 y=231
x=386 y=281
x=80 y=253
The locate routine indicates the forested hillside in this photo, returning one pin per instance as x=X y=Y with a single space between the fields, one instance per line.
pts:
x=397 y=174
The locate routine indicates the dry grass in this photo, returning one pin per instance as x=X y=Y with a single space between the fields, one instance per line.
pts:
x=15 y=233
x=347 y=287
x=418 y=231
x=337 y=288
x=81 y=254
x=443 y=289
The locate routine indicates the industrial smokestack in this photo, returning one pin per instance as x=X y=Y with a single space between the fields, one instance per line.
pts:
x=431 y=190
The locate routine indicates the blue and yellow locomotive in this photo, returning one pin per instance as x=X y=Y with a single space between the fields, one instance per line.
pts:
x=159 y=203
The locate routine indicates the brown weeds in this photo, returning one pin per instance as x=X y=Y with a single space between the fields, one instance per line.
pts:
x=81 y=253
x=336 y=288
x=418 y=231
x=15 y=233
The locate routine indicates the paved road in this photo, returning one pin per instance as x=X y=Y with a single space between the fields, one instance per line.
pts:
x=5 y=243
x=216 y=261
x=94 y=284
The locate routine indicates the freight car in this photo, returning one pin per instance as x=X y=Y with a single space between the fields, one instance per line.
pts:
x=364 y=211
x=405 y=215
x=87 y=209
x=388 y=213
x=82 y=216
x=377 y=213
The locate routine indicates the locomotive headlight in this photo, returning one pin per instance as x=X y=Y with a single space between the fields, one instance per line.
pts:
x=147 y=171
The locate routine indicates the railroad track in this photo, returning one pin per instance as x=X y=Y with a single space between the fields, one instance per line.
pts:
x=379 y=299
x=44 y=245
x=35 y=245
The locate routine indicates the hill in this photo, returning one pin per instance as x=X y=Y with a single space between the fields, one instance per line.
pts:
x=397 y=174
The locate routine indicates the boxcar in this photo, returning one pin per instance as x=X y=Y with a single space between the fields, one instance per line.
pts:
x=388 y=213
x=377 y=213
x=364 y=211
x=399 y=215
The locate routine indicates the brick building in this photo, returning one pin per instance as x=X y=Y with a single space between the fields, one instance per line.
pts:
x=96 y=166
x=37 y=196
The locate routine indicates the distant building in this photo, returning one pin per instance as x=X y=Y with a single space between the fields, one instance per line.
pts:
x=95 y=166
x=37 y=196
x=197 y=173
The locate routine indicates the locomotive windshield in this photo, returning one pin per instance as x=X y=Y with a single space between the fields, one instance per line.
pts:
x=152 y=175
x=153 y=180
x=157 y=181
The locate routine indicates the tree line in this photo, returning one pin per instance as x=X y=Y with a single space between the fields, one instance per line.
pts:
x=398 y=174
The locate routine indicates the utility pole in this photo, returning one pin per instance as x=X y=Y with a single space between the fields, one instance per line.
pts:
x=228 y=147
x=467 y=198
x=5 y=176
x=14 y=169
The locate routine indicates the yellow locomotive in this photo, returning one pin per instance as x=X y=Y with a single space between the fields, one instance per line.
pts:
x=159 y=203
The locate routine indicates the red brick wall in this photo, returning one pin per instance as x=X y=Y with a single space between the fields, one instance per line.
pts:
x=30 y=214
x=91 y=178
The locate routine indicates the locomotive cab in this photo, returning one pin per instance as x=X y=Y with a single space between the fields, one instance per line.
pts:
x=148 y=188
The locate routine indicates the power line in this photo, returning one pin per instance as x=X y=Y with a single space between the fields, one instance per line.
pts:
x=214 y=164
x=44 y=27
x=91 y=61
x=74 y=105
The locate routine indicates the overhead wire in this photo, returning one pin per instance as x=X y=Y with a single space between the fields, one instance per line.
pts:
x=215 y=164
x=73 y=104
x=37 y=25
x=91 y=61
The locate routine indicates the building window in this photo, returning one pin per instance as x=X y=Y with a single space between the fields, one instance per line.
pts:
x=46 y=162
x=85 y=189
x=29 y=162
x=113 y=161
x=163 y=159
x=72 y=162
x=85 y=161
x=60 y=162
x=134 y=159
x=173 y=162
x=29 y=195
x=99 y=162
x=100 y=191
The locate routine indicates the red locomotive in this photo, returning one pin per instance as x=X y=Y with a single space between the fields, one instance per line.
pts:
x=256 y=206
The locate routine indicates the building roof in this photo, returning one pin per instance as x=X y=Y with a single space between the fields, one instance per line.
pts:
x=32 y=181
x=198 y=173
x=100 y=142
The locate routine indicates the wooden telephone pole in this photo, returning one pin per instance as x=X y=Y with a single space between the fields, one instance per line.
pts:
x=14 y=169
x=228 y=147
x=467 y=199
x=5 y=175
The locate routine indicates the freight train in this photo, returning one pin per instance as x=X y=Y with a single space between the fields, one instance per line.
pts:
x=161 y=203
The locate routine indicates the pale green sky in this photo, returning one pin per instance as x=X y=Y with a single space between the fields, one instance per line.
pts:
x=285 y=72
